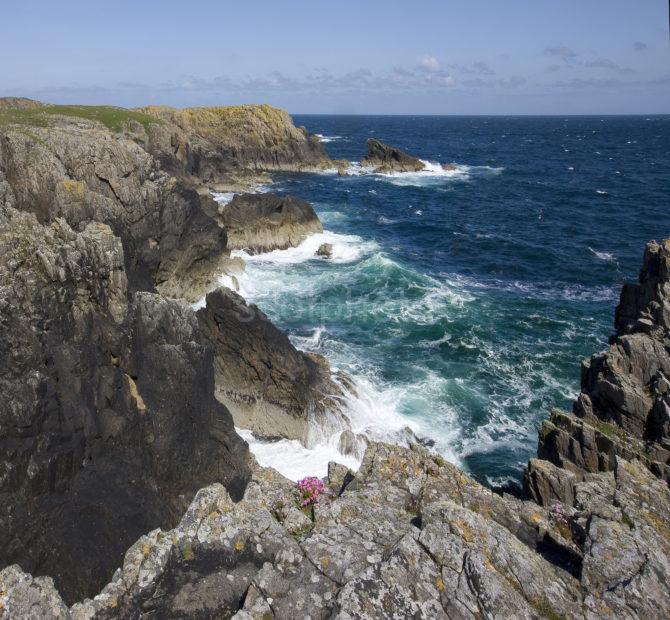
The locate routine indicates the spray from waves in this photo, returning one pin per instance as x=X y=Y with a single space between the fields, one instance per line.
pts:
x=606 y=256
x=432 y=174
x=323 y=138
x=366 y=290
x=346 y=248
x=223 y=198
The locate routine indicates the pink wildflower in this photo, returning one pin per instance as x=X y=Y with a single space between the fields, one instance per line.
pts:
x=310 y=488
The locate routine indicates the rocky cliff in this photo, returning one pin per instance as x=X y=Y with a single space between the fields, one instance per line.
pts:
x=268 y=385
x=108 y=421
x=219 y=144
x=623 y=410
x=125 y=487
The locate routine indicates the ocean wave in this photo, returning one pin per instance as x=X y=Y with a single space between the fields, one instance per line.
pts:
x=346 y=248
x=565 y=291
x=433 y=174
x=223 y=198
x=323 y=138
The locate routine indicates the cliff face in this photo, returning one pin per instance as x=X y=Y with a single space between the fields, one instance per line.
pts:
x=81 y=171
x=108 y=422
x=623 y=409
x=214 y=144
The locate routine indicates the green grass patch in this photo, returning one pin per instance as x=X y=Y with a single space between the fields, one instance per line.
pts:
x=112 y=118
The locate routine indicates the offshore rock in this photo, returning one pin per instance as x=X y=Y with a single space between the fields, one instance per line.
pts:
x=325 y=250
x=108 y=421
x=268 y=385
x=261 y=223
x=385 y=158
x=407 y=537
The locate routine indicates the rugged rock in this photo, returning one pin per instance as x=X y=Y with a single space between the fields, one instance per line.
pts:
x=325 y=250
x=108 y=421
x=263 y=222
x=268 y=385
x=409 y=536
x=385 y=158
x=214 y=144
x=81 y=171
x=623 y=409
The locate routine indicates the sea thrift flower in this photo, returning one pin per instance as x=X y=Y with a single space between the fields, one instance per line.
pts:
x=310 y=488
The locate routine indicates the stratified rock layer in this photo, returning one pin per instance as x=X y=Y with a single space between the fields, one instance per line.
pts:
x=264 y=222
x=385 y=158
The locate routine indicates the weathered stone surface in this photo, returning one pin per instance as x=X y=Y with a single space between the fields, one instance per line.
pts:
x=623 y=409
x=108 y=422
x=385 y=158
x=408 y=537
x=81 y=171
x=265 y=222
x=268 y=385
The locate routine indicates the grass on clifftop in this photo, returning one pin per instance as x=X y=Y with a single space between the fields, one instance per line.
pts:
x=111 y=117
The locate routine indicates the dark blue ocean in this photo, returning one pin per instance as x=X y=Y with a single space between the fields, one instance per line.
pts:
x=463 y=302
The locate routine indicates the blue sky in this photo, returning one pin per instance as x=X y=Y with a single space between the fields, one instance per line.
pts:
x=430 y=57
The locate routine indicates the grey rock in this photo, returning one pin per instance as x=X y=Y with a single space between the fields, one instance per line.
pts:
x=325 y=250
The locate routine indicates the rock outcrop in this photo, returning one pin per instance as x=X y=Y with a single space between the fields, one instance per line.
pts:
x=108 y=421
x=269 y=386
x=218 y=144
x=264 y=222
x=79 y=170
x=385 y=158
x=623 y=410
x=407 y=536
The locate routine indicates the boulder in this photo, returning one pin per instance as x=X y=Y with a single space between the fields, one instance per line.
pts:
x=325 y=250
x=385 y=158
x=260 y=223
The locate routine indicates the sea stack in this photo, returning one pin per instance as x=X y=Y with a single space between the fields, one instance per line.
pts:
x=385 y=158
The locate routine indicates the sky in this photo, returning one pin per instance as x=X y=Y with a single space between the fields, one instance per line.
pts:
x=364 y=57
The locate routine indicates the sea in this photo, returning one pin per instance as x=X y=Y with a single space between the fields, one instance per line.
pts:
x=462 y=301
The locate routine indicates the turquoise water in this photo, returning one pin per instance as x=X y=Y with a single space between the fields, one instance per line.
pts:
x=463 y=302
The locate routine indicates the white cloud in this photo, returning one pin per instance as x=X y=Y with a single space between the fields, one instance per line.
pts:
x=430 y=63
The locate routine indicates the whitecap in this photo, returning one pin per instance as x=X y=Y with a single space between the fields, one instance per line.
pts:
x=323 y=138
x=602 y=192
x=346 y=248
x=606 y=256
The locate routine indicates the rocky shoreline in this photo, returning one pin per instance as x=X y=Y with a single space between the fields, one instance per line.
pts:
x=126 y=491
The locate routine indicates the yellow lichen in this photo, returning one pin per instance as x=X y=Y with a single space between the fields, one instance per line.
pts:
x=74 y=187
x=439 y=584
x=239 y=546
x=187 y=553
x=146 y=550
